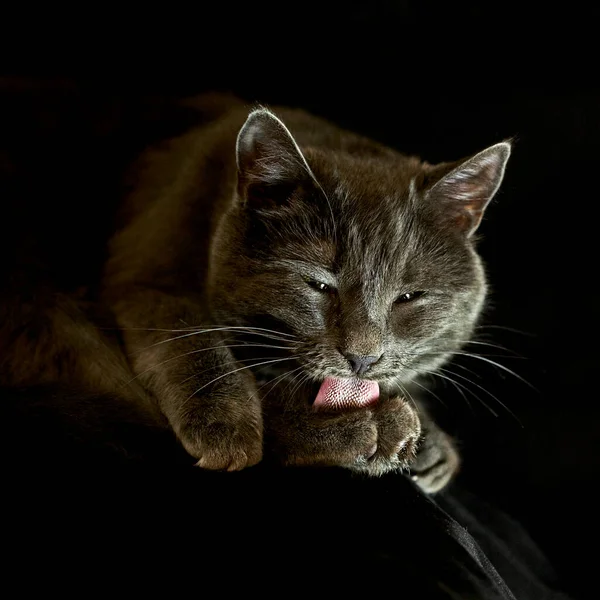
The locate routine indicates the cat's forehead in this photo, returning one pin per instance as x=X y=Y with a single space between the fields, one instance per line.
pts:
x=366 y=187
x=376 y=206
x=366 y=175
x=387 y=238
x=364 y=218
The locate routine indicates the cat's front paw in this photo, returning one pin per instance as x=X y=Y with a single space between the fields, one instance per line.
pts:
x=398 y=434
x=437 y=461
x=227 y=439
x=323 y=439
x=370 y=440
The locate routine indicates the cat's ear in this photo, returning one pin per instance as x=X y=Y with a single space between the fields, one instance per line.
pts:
x=466 y=188
x=270 y=163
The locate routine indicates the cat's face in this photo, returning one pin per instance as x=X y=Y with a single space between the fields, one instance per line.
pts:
x=364 y=259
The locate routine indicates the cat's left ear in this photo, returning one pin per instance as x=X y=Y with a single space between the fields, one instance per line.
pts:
x=466 y=190
x=269 y=161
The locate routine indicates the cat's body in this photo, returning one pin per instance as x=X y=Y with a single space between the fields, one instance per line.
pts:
x=255 y=262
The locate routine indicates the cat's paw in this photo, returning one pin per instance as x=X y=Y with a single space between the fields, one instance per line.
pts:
x=437 y=461
x=372 y=440
x=398 y=433
x=329 y=440
x=229 y=440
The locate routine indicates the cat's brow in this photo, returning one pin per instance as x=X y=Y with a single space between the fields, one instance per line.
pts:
x=307 y=269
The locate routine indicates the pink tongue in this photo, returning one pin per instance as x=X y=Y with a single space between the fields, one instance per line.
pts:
x=337 y=393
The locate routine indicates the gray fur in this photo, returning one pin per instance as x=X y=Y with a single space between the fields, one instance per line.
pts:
x=228 y=226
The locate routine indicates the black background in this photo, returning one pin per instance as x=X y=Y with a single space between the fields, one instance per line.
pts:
x=441 y=83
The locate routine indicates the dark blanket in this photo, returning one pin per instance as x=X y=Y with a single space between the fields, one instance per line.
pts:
x=99 y=513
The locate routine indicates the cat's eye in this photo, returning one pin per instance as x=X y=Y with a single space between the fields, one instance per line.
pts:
x=318 y=285
x=408 y=297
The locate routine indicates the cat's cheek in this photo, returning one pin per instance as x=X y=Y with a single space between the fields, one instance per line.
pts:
x=413 y=325
x=304 y=316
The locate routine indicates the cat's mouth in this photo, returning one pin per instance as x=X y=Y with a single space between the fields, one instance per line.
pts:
x=339 y=393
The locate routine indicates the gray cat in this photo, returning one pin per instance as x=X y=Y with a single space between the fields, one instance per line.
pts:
x=281 y=284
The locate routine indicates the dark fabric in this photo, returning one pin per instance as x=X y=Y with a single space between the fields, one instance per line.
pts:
x=503 y=543
x=102 y=513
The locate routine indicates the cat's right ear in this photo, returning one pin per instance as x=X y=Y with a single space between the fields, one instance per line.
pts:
x=269 y=161
x=464 y=189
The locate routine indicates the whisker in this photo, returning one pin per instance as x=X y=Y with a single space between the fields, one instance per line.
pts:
x=488 y=393
x=278 y=380
x=510 y=329
x=407 y=393
x=311 y=174
x=479 y=343
x=205 y=350
x=198 y=332
x=498 y=365
x=461 y=387
x=467 y=369
x=456 y=385
x=428 y=391
x=483 y=358
x=301 y=381
x=230 y=362
x=268 y=362
x=203 y=328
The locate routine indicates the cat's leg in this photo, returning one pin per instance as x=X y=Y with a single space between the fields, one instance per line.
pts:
x=182 y=359
x=437 y=460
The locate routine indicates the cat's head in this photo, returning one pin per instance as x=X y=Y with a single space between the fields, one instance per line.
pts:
x=363 y=256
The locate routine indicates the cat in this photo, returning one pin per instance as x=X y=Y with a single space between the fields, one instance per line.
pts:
x=268 y=257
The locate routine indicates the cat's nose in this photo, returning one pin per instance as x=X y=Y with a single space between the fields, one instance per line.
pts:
x=361 y=364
